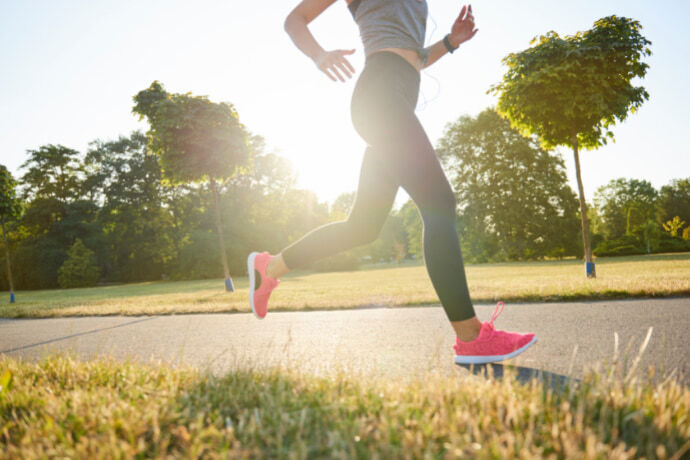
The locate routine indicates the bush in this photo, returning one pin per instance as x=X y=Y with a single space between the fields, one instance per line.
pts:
x=35 y=263
x=673 y=244
x=626 y=250
x=80 y=268
x=626 y=245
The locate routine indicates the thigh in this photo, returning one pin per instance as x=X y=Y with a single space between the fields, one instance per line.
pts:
x=413 y=161
x=376 y=191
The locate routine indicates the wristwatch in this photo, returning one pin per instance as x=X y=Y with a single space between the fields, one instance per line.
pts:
x=449 y=47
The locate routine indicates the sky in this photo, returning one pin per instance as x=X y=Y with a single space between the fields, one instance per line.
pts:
x=69 y=70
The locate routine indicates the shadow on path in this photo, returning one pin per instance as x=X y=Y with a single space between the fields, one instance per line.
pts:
x=92 y=331
x=521 y=374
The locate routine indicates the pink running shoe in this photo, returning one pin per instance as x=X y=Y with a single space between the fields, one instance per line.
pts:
x=492 y=345
x=258 y=298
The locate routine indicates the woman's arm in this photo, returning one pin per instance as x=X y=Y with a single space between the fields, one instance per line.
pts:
x=329 y=62
x=462 y=30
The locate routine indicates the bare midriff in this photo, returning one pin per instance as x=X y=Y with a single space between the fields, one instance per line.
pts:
x=410 y=56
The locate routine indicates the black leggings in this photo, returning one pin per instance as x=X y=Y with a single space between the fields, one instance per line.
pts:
x=398 y=154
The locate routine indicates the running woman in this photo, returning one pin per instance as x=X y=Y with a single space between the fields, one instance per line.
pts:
x=398 y=153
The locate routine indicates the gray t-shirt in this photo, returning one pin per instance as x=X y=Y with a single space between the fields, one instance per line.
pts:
x=391 y=24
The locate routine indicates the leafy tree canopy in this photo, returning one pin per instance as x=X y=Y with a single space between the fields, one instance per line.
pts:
x=137 y=223
x=579 y=84
x=52 y=172
x=120 y=172
x=10 y=204
x=341 y=206
x=512 y=194
x=674 y=200
x=194 y=137
x=625 y=205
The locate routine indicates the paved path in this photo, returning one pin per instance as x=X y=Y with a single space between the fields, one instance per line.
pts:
x=380 y=341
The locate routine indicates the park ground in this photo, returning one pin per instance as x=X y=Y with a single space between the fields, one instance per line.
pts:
x=662 y=275
x=58 y=404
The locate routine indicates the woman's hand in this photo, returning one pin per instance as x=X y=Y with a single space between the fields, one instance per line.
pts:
x=463 y=28
x=333 y=62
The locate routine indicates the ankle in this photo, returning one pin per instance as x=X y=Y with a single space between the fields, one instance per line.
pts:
x=467 y=330
x=276 y=267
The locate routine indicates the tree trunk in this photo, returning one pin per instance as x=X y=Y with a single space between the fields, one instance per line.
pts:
x=219 y=227
x=7 y=259
x=583 y=211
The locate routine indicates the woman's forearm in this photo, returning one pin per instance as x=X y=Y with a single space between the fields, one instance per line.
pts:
x=436 y=51
x=296 y=27
x=461 y=31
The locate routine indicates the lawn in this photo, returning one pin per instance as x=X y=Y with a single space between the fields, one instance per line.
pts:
x=620 y=277
x=63 y=408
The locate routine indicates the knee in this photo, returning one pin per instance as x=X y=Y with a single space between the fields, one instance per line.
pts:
x=443 y=205
x=446 y=201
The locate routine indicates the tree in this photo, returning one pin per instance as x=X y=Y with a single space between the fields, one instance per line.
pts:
x=55 y=214
x=674 y=200
x=650 y=234
x=513 y=197
x=341 y=206
x=10 y=208
x=625 y=206
x=137 y=227
x=414 y=228
x=52 y=172
x=80 y=268
x=195 y=140
x=570 y=91
x=400 y=250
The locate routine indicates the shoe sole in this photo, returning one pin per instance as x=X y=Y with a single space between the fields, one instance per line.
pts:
x=459 y=359
x=252 y=281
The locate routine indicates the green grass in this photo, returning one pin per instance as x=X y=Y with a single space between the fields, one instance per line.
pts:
x=620 y=277
x=63 y=408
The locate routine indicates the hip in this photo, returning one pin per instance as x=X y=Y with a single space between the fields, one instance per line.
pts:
x=385 y=94
x=387 y=76
x=410 y=56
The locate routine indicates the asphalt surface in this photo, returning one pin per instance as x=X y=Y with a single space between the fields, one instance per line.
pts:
x=397 y=342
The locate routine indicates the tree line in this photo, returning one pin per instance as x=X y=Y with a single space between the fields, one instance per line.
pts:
x=146 y=207
x=107 y=215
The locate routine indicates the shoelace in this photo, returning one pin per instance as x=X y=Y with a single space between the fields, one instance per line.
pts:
x=497 y=311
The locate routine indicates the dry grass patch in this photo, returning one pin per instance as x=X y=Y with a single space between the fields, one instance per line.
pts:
x=64 y=408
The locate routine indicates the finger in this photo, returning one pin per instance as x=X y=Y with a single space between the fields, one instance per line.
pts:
x=347 y=51
x=347 y=63
x=328 y=73
x=334 y=69
x=345 y=70
x=349 y=66
x=462 y=12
